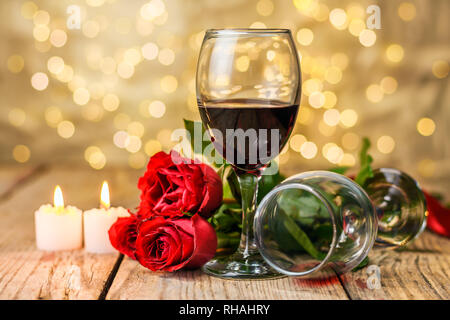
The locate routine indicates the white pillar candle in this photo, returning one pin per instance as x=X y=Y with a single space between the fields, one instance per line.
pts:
x=58 y=227
x=97 y=223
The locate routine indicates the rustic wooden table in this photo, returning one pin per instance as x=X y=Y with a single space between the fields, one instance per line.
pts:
x=421 y=271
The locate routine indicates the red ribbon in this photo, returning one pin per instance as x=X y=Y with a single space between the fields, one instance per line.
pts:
x=438 y=216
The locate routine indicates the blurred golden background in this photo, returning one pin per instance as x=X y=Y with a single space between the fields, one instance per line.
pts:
x=110 y=93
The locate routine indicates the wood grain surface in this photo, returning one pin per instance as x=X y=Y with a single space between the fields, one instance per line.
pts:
x=135 y=282
x=420 y=271
x=27 y=273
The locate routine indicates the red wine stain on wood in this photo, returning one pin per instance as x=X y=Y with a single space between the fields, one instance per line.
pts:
x=317 y=281
x=361 y=283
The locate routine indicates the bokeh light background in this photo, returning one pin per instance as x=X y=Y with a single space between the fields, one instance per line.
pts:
x=110 y=94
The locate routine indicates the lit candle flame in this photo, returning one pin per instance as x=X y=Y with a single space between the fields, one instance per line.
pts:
x=104 y=196
x=58 y=199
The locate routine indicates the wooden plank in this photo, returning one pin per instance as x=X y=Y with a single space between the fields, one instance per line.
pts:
x=25 y=272
x=420 y=271
x=135 y=282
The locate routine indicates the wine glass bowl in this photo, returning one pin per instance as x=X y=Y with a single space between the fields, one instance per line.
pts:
x=400 y=205
x=248 y=94
x=248 y=84
x=320 y=220
x=317 y=220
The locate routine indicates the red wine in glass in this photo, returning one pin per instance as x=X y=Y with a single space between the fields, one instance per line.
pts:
x=255 y=130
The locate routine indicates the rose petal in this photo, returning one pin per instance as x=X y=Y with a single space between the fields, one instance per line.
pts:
x=122 y=235
x=171 y=244
x=213 y=191
x=205 y=242
x=173 y=185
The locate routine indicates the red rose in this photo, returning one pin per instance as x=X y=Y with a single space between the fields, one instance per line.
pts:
x=172 y=244
x=123 y=233
x=173 y=185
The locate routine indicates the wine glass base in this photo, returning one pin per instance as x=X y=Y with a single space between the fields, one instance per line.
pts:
x=238 y=267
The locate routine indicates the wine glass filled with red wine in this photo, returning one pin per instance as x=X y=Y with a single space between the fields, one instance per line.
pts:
x=248 y=93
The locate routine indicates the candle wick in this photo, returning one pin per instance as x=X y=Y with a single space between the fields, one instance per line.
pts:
x=104 y=206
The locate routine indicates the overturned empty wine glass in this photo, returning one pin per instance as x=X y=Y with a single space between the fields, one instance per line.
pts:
x=321 y=220
x=400 y=206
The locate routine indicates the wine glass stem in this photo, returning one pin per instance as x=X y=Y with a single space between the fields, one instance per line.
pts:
x=249 y=192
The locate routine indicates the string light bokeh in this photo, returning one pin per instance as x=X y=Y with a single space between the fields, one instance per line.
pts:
x=111 y=93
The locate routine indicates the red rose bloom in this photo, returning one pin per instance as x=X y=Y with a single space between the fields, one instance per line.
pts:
x=123 y=233
x=172 y=244
x=173 y=185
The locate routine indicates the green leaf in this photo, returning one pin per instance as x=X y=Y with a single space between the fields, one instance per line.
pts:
x=305 y=222
x=301 y=237
x=340 y=170
x=365 y=171
x=227 y=191
x=223 y=172
x=302 y=206
x=189 y=214
x=228 y=240
x=268 y=182
x=283 y=238
x=323 y=235
x=233 y=183
x=227 y=218
x=227 y=223
x=363 y=264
